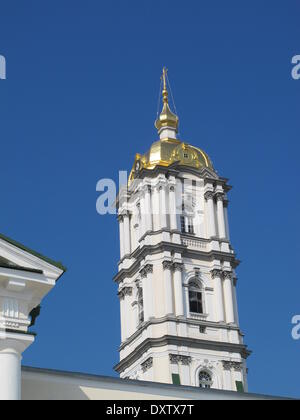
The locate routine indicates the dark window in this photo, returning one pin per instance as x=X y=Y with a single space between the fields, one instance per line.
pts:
x=186 y=155
x=195 y=299
x=190 y=226
x=202 y=329
x=182 y=222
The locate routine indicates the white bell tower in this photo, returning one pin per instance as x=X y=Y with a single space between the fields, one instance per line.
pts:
x=177 y=280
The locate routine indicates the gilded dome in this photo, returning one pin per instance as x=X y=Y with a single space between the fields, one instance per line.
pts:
x=168 y=152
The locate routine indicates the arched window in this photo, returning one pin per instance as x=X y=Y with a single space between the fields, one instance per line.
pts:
x=195 y=298
x=205 y=380
x=140 y=304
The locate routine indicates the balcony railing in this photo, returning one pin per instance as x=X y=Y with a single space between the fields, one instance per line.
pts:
x=194 y=243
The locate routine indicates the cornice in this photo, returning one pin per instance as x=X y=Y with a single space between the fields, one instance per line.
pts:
x=140 y=253
x=166 y=340
x=179 y=320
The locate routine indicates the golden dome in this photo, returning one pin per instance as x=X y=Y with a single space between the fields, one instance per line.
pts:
x=169 y=150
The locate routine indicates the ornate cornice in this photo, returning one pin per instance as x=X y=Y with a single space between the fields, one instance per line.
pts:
x=146 y=250
x=150 y=343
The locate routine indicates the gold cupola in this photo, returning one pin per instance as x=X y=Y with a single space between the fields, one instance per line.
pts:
x=169 y=150
x=167 y=121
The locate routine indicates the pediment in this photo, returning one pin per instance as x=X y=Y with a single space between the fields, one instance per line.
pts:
x=14 y=255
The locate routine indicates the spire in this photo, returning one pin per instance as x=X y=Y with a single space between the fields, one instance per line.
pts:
x=167 y=122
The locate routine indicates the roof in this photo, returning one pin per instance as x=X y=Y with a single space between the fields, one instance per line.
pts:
x=42 y=378
x=32 y=252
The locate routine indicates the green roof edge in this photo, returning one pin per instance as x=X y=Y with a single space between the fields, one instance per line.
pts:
x=32 y=252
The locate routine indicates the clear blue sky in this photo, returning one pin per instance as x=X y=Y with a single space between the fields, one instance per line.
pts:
x=80 y=100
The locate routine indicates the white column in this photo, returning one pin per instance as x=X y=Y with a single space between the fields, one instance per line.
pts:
x=123 y=317
x=155 y=208
x=148 y=209
x=163 y=207
x=225 y=203
x=209 y=197
x=143 y=216
x=173 y=215
x=146 y=275
x=121 y=226
x=127 y=246
x=228 y=295
x=10 y=365
x=219 y=302
x=221 y=218
x=236 y=311
x=167 y=266
x=179 y=309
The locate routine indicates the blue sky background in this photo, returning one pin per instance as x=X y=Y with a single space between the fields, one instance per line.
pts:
x=80 y=100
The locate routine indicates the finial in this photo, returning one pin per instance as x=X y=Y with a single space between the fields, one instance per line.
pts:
x=165 y=89
x=167 y=122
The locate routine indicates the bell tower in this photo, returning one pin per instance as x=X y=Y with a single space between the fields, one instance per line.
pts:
x=177 y=279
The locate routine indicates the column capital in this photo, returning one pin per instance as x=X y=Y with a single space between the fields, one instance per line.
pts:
x=228 y=365
x=216 y=273
x=177 y=358
x=178 y=267
x=147 y=364
x=148 y=269
x=227 y=275
x=167 y=265
x=147 y=188
x=209 y=195
x=125 y=291
x=220 y=196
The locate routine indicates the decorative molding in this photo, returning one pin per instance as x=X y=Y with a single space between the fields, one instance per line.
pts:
x=147 y=364
x=208 y=364
x=177 y=358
